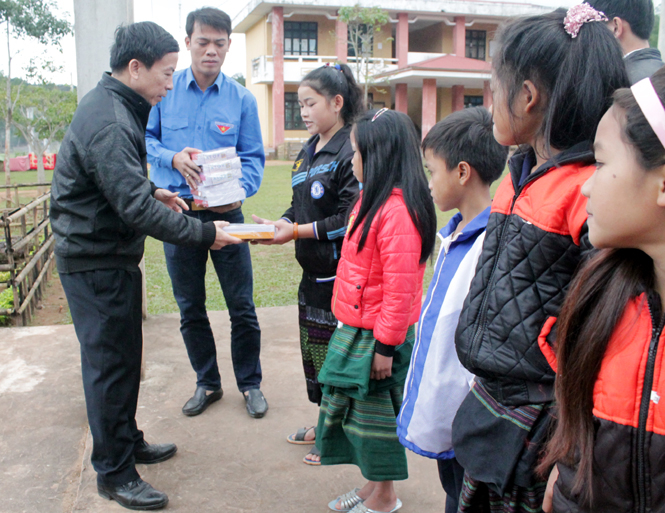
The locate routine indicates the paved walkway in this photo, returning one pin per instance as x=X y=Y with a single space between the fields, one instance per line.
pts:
x=226 y=461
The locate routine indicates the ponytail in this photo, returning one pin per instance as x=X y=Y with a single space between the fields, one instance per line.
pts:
x=333 y=80
x=576 y=76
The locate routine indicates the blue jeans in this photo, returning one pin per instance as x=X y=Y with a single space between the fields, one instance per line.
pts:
x=233 y=265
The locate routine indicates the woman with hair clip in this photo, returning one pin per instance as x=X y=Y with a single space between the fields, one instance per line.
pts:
x=609 y=444
x=376 y=299
x=553 y=77
x=323 y=190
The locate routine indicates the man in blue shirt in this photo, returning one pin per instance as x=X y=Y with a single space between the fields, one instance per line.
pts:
x=208 y=110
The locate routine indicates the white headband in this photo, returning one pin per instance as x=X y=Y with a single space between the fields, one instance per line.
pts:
x=651 y=107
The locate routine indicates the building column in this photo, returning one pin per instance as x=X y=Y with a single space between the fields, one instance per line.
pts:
x=458 y=98
x=487 y=94
x=429 y=105
x=401 y=98
x=402 y=40
x=95 y=22
x=278 y=80
x=459 y=36
x=341 y=40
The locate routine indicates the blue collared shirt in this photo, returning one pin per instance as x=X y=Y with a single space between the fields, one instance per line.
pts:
x=224 y=115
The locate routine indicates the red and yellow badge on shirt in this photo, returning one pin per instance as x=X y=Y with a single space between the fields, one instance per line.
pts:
x=223 y=127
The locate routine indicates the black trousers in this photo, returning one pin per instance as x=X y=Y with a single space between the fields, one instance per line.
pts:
x=106 y=310
x=451 y=475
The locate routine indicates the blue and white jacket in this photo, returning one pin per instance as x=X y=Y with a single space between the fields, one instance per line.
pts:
x=437 y=383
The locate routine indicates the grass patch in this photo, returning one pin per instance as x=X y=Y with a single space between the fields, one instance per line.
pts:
x=28 y=176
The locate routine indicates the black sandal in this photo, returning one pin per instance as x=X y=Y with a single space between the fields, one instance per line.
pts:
x=298 y=438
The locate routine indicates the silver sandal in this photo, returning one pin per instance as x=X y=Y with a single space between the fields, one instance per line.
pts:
x=347 y=501
x=361 y=508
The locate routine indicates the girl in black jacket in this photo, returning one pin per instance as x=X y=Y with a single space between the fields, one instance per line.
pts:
x=323 y=190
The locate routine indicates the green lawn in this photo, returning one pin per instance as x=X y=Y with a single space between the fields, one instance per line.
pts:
x=27 y=177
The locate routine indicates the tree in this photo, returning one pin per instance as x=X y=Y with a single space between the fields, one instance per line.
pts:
x=653 y=39
x=363 y=23
x=26 y=18
x=240 y=78
x=42 y=115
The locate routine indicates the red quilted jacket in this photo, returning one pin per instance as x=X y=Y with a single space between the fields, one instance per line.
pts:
x=381 y=287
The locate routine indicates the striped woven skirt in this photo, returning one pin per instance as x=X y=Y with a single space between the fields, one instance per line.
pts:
x=317 y=324
x=357 y=425
x=500 y=447
x=477 y=497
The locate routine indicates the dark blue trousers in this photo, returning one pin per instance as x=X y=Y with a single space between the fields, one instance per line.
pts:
x=106 y=310
x=451 y=475
x=233 y=265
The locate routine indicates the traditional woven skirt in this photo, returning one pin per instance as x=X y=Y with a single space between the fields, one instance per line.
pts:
x=477 y=497
x=317 y=324
x=357 y=420
x=499 y=448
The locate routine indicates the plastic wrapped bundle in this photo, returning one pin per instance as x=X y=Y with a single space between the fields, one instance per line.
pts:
x=219 y=194
x=212 y=178
x=208 y=157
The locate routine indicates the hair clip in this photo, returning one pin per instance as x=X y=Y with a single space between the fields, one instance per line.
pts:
x=578 y=15
x=379 y=112
x=336 y=66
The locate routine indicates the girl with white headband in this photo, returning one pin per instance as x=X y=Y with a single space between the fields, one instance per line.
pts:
x=553 y=77
x=610 y=439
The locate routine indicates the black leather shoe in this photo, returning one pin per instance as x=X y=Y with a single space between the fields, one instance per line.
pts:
x=256 y=404
x=134 y=495
x=201 y=400
x=155 y=453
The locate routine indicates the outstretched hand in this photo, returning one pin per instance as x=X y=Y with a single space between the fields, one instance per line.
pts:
x=171 y=200
x=283 y=231
x=222 y=238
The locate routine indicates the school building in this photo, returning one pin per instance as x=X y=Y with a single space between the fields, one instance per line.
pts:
x=431 y=59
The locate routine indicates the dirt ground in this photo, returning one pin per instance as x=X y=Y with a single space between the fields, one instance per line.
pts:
x=52 y=309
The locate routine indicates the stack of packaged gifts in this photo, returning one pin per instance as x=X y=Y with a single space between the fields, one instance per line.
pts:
x=220 y=175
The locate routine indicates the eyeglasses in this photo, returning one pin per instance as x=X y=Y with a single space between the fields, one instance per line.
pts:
x=385 y=109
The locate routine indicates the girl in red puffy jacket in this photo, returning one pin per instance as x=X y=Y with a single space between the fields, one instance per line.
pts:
x=376 y=299
x=609 y=442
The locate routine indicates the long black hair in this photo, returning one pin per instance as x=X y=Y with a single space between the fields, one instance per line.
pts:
x=390 y=153
x=577 y=76
x=331 y=80
x=592 y=309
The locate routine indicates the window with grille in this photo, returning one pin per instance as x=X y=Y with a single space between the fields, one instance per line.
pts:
x=292 y=119
x=476 y=41
x=300 y=38
x=473 y=101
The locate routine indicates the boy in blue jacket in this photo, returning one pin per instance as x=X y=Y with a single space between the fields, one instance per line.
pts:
x=463 y=159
